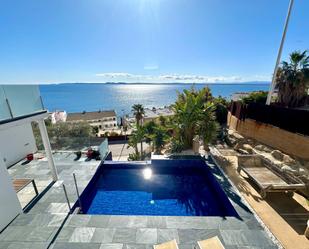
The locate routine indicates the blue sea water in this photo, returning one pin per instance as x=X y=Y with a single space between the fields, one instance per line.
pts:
x=120 y=97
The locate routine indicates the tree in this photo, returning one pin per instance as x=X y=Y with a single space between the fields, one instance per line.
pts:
x=133 y=141
x=292 y=80
x=255 y=97
x=160 y=138
x=137 y=136
x=194 y=115
x=138 y=112
x=221 y=106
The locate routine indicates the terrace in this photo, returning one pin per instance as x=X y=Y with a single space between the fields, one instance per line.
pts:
x=48 y=222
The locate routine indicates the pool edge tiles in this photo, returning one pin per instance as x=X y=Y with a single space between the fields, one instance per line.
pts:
x=89 y=193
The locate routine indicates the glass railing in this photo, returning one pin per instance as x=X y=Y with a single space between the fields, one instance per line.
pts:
x=19 y=100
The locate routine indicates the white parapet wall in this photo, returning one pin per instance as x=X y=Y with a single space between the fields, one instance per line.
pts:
x=10 y=206
x=16 y=142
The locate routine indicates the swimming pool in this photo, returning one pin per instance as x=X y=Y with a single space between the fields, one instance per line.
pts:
x=160 y=188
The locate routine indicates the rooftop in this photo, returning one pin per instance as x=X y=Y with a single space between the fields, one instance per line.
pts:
x=77 y=116
x=157 y=112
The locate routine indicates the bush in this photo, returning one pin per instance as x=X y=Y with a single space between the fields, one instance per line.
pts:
x=134 y=157
x=177 y=146
x=255 y=97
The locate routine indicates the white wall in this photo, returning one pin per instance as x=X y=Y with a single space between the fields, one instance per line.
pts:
x=16 y=142
x=10 y=206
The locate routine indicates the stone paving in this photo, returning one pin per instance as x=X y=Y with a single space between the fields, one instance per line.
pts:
x=39 y=226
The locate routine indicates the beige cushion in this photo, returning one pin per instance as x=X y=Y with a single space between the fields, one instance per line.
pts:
x=167 y=245
x=212 y=243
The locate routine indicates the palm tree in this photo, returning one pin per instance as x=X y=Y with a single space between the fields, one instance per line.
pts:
x=194 y=115
x=133 y=141
x=207 y=127
x=159 y=138
x=292 y=80
x=138 y=112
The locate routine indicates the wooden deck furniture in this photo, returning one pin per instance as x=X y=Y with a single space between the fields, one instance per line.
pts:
x=20 y=184
x=211 y=243
x=268 y=177
x=167 y=245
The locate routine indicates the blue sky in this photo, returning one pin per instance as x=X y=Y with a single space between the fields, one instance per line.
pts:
x=55 y=41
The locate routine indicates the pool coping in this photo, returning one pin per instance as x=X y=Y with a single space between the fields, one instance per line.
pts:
x=228 y=228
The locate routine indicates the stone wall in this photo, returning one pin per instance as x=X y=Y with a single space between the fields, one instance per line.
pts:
x=288 y=142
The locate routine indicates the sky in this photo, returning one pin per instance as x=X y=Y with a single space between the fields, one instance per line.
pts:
x=57 y=41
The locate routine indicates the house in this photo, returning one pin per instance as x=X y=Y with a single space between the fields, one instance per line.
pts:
x=153 y=114
x=150 y=114
x=104 y=120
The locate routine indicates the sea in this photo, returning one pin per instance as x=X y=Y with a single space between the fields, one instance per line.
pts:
x=78 y=97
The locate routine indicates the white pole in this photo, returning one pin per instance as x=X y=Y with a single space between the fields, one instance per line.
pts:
x=47 y=148
x=272 y=86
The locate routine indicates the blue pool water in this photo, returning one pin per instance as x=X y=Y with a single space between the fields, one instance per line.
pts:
x=154 y=190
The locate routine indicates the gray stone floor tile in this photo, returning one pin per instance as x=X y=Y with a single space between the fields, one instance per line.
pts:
x=111 y=246
x=78 y=220
x=99 y=221
x=103 y=235
x=246 y=238
x=138 y=221
x=41 y=234
x=28 y=245
x=253 y=224
x=57 y=220
x=82 y=234
x=118 y=221
x=191 y=236
x=137 y=246
x=65 y=234
x=186 y=246
x=15 y=233
x=232 y=223
x=165 y=235
x=23 y=220
x=41 y=220
x=156 y=222
x=192 y=223
x=4 y=245
x=62 y=245
x=125 y=235
x=146 y=236
x=56 y=208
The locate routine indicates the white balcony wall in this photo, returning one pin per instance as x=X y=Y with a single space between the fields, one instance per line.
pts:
x=16 y=143
x=10 y=206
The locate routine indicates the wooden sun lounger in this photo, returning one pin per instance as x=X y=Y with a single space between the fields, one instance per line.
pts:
x=167 y=245
x=211 y=243
x=267 y=177
x=20 y=184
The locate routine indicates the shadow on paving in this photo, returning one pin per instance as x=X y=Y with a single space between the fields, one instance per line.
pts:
x=228 y=188
x=290 y=210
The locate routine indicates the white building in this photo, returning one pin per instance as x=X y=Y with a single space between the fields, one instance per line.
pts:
x=104 y=120
x=154 y=114
x=151 y=114
x=19 y=107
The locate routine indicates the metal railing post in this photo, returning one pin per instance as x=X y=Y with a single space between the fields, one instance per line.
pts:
x=77 y=192
x=67 y=198
x=9 y=107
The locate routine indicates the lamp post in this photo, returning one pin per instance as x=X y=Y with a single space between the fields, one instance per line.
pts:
x=272 y=85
